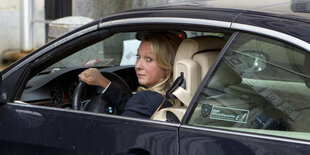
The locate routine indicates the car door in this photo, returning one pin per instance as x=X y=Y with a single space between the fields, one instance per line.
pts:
x=254 y=101
x=29 y=127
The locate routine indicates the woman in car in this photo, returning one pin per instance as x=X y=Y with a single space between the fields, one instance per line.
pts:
x=154 y=66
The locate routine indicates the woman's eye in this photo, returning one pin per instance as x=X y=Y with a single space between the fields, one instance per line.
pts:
x=148 y=59
x=138 y=57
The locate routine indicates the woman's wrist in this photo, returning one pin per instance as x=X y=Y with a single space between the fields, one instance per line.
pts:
x=104 y=82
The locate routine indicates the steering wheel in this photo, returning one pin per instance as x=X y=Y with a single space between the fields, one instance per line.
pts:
x=98 y=104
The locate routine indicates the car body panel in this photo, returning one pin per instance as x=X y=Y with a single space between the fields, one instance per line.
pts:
x=221 y=141
x=192 y=12
x=44 y=129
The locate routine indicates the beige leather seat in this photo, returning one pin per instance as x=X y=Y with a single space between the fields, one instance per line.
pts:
x=194 y=58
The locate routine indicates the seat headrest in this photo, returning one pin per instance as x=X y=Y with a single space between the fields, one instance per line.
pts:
x=225 y=76
x=189 y=47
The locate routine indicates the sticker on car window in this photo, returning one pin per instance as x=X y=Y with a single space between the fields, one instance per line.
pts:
x=130 y=51
x=229 y=114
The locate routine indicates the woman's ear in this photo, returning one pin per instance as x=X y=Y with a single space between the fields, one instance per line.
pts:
x=168 y=72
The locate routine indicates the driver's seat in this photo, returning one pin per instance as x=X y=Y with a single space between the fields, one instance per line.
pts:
x=194 y=58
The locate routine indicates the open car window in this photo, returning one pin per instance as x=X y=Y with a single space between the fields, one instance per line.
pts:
x=119 y=49
x=260 y=85
x=55 y=85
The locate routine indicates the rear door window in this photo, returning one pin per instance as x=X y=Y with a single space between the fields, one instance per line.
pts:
x=260 y=85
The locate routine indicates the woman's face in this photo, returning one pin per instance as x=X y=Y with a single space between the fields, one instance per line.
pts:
x=146 y=68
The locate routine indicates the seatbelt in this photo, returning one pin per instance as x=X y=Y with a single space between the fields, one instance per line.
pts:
x=177 y=90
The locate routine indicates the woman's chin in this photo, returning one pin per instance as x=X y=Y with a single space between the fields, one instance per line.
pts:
x=141 y=82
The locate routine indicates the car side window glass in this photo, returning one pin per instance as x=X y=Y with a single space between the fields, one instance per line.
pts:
x=260 y=85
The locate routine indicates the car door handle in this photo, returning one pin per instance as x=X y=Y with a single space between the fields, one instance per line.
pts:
x=134 y=151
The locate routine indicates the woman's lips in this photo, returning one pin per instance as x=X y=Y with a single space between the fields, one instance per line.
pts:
x=140 y=75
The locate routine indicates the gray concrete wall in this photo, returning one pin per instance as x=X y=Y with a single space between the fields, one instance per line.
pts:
x=99 y=8
x=10 y=24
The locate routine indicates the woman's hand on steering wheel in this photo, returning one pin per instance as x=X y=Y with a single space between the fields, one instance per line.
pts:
x=92 y=76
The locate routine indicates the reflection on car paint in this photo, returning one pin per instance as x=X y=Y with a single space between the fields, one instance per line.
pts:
x=32 y=118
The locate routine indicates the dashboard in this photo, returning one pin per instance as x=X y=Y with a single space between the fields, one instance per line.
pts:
x=56 y=88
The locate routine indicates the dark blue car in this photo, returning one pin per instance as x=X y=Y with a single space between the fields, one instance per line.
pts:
x=247 y=89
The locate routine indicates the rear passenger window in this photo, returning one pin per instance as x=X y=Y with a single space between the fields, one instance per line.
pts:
x=260 y=85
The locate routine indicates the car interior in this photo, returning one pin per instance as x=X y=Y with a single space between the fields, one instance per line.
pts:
x=55 y=85
x=194 y=58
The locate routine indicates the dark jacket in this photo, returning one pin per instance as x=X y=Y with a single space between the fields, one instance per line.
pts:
x=140 y=105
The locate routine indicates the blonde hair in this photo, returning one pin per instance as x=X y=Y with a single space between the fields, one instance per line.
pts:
x=164 y=46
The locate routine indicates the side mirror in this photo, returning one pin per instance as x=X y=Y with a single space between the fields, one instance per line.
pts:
x=3 y=96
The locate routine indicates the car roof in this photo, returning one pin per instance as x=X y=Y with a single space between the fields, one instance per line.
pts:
x=280 y=7
x=265 y=15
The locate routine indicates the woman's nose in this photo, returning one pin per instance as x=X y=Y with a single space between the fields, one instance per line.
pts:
x=139 y=64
